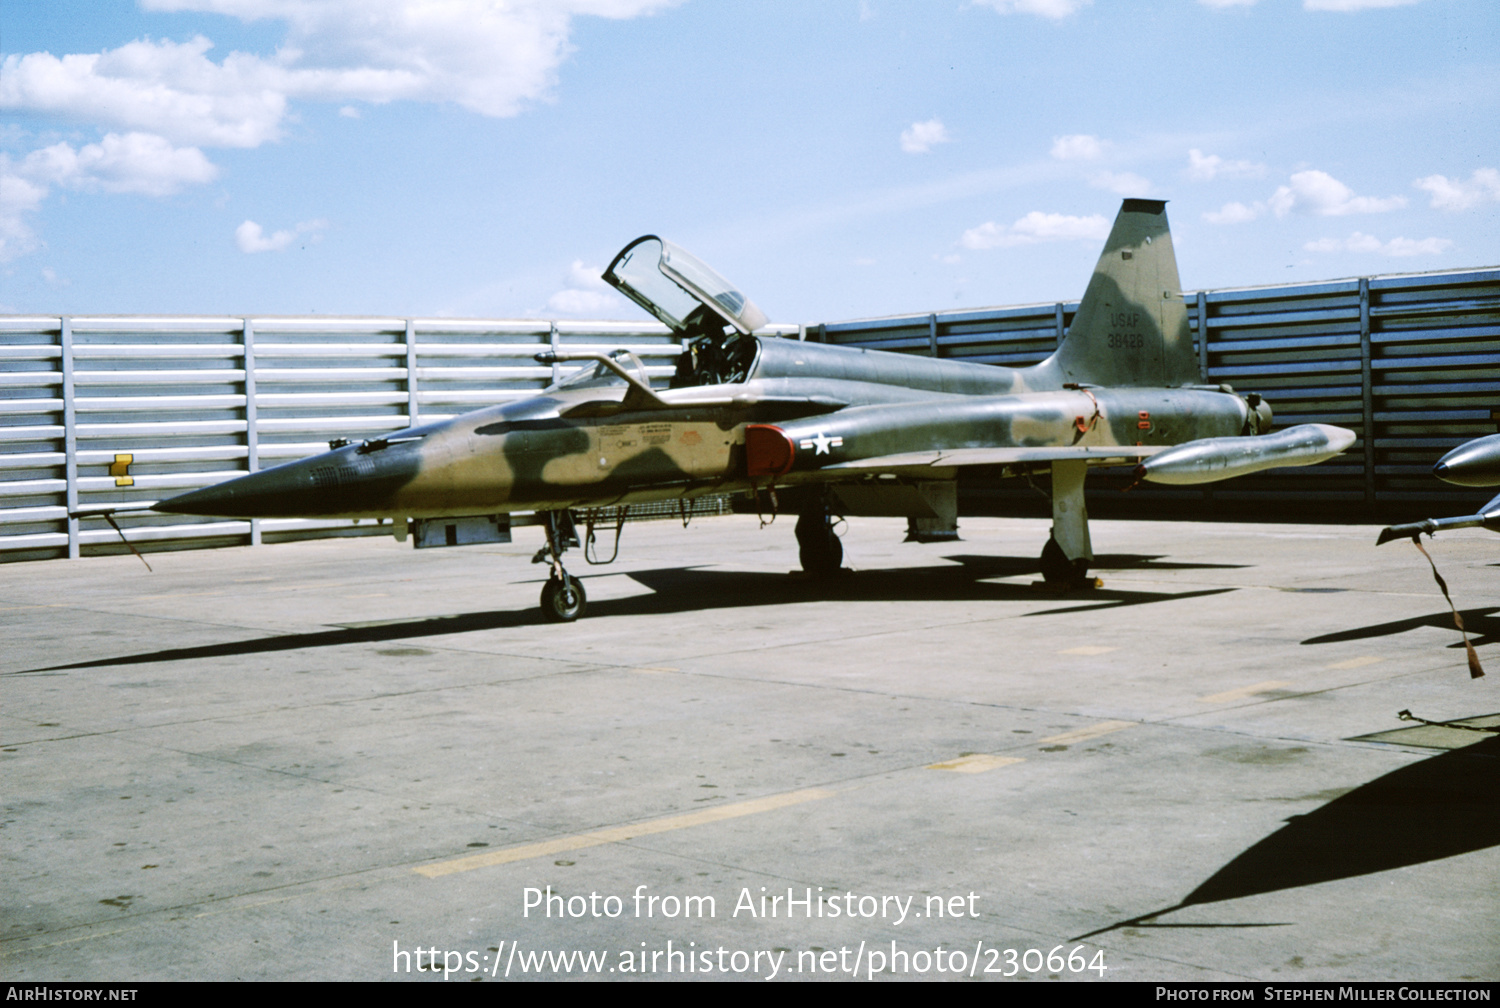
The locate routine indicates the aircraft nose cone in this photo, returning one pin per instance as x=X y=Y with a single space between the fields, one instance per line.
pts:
x=1476 y=464
x=268 y=494
x=341 y=483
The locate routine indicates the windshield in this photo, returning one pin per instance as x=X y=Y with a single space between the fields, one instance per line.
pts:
x=672 y=284
x=591 y=375
x=599 y=375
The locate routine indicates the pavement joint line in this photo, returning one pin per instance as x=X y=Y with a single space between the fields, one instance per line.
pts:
x=262 y=712
x=145 y=918
x=615 y=834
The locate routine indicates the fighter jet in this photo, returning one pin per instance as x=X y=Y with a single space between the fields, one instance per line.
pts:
x=830 y=430
x=1476 y=464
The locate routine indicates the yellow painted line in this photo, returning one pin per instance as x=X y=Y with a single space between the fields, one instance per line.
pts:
x=1092 y=731
x=1245 y=692
x=1089 y=649
x=1359 y=662
x=649 y=670
x=978 y=763
x=616 y=834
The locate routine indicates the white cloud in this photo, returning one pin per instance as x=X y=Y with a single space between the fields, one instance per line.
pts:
x=252 y=238
x=1235 y=213
x=349 y=112
x=1360 y=242
x=1033 y=228
x=1204 y=167
x=1353 y=5
x=163 y=100
x=19 y=198
x=491 y=58
x=1121 y=183
x=1319 y=193
x=1077 y=147
x=134 y=162
x=171 y=89
x=918 y=138
x=1455 y=194
x=1044 y=8
x=585 y=295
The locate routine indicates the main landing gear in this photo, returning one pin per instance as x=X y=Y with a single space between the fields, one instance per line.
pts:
x=821 y=552
x=1066 y=557
x=563 y=597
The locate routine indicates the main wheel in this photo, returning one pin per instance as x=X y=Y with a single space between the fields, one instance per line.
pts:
x=819 y=549
x=1058 y=570
x=563 y=600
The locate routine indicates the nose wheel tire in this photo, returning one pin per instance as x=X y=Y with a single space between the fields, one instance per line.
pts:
x=563 y=599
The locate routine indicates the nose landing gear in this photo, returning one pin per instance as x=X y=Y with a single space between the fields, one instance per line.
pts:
x=563 y=597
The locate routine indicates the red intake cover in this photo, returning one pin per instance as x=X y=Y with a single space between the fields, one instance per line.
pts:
x=768 y=451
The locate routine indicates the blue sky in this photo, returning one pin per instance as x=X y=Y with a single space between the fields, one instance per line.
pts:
x=837 y=159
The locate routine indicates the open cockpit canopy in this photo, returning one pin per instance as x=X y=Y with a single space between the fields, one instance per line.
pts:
x=680 y=289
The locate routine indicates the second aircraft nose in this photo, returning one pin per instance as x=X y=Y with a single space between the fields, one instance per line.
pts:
x=1475 y=464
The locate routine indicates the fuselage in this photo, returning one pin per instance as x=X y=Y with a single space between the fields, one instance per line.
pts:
x=577 y=445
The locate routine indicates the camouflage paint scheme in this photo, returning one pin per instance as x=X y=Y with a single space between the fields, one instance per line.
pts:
x=1123 y=385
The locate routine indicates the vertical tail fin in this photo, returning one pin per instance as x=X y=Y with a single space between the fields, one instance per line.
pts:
x=1131 y=328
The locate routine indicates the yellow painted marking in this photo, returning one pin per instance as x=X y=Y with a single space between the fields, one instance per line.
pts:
x=120 y=470
x=1245 y=692
x=1089 y=649
x=1362 y=660
x=1092 y=731
x=649 y=670
x=616 y=834
x=978 y=763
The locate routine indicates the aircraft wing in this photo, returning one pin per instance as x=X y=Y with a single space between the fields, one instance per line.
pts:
x=953 y=457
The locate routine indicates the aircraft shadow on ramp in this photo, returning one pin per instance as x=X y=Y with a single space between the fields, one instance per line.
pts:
x=1483 y=626
x=688 y=590
x=1437 y=808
